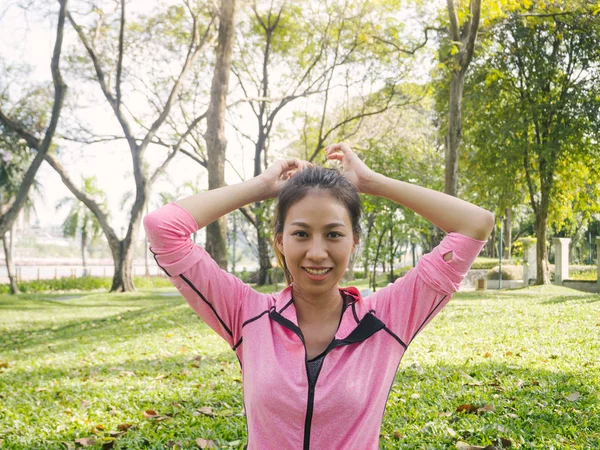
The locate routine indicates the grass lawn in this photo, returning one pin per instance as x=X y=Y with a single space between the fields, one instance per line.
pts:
x=141 y=371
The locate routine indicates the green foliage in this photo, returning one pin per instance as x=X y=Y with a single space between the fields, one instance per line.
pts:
x=489 y=263
x=532 y=114
x=70 y=365
x=509 y=272
x=86 y=283
x=588 y=273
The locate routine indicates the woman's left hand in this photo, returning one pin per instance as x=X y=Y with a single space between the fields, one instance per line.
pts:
x=353 y=168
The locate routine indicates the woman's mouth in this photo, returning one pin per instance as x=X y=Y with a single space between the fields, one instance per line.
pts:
x=317 y=274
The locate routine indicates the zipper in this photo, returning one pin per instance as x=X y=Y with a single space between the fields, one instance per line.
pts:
x=309 y=412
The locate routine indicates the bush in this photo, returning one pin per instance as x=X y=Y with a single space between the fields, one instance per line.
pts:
x=589 y=273
x=82 y=284
x=490 y=263
x=509 y=272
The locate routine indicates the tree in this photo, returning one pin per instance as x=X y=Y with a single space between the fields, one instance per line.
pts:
x=15 y=159
x=314 y=52
x=538 y=108
x=462 y=35
x=18 y=125
x=80 y=220
x=216 y=143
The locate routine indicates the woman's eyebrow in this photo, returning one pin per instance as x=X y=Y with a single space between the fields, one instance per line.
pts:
x=329 y=225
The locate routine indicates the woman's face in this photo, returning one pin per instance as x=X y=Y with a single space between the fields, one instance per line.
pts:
x=317 y=242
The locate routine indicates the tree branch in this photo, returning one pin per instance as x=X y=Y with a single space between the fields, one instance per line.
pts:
x=43 y=147
x=454 y=30
x=413 y=50
x=120 y=61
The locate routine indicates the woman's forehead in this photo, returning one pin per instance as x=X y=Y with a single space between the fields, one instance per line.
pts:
x=316 y=209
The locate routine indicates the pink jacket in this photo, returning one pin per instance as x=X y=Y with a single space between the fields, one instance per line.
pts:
x=336 y=400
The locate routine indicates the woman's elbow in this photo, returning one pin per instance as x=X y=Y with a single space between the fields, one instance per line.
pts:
x=484 y=225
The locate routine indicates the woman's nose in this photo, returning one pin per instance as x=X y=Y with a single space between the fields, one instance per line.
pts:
x=317 y=250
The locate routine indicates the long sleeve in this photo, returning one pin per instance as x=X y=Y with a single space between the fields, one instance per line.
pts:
x=409 y=304
x=217 y=296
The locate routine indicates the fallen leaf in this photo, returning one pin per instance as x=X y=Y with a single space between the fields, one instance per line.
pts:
x=574 y=396
x=85 y=404
x=3 y=365
x=86 y=442
x=505 y=442
x=124 y=426
x=67 y=445
x=150 y=414
x=445 y=414
x=160 y=377
x=484 y=409
x=509 y=353
x=465 y=446
x=487 y=355
x=467 y=408
x=415 y=396
x=520 y=383
x=206 y=410
x=397 y=435
x=451 y=432
x=204 y=443
x=513 y=416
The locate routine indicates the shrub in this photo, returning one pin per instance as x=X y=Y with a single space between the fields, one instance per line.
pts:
x=509 y=272
x=86 y=283
x=589 y=273
x=490 y=263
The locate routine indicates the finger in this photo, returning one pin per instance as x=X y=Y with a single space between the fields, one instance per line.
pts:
x=335 y=157
x=340 y=146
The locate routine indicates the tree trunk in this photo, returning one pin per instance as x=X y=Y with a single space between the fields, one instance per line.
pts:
x=376 y=259
x=216 y=143
x=541 y=229
x=541 y=251
x=508 y=234
x=263 y=251
x=454 y=133
x=123 y=276
x=10 y=268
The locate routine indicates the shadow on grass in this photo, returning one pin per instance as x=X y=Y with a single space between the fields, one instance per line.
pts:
x=164 y=313
x=590 y=298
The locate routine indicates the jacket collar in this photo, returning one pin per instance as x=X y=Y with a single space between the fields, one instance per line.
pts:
x=285 y=307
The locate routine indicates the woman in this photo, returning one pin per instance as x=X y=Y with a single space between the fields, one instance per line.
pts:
x=317 y=361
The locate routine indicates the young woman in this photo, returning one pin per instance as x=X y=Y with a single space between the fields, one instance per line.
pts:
x=317 y=361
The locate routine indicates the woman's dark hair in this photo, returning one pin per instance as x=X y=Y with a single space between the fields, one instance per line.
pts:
x=329 y=180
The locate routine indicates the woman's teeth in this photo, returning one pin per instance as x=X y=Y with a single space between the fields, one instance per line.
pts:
x=317 y=271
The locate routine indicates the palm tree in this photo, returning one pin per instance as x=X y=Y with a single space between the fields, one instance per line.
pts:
x=80 y=219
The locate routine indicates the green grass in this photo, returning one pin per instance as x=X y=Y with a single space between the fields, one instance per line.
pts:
x=80 y=367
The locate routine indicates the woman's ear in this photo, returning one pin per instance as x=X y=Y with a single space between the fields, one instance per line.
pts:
x=279 y=243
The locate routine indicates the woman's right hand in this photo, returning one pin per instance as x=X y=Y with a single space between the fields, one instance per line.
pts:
x=278 y=173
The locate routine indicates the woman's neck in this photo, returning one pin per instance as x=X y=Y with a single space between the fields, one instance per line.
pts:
x=312 y=309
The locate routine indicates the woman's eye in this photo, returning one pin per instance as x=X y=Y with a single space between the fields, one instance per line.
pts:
x=334 y=234
x=301 y=234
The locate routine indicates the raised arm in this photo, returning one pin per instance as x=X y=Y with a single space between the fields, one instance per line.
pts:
x=210 y=205
x=449 y=213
